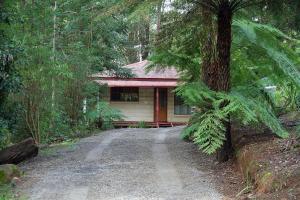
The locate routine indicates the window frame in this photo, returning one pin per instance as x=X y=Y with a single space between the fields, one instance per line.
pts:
x=134 y=90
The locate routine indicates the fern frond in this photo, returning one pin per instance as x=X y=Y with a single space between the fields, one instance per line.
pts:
x=247 y=104
x=209 y=135
x=270 y=42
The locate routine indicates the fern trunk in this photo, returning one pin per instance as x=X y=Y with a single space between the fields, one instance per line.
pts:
x=209 y=62
x=224 y=39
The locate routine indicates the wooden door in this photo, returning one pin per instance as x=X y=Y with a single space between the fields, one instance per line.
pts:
x=161 y=104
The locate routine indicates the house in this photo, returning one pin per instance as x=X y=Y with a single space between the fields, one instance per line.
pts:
x=147 y=97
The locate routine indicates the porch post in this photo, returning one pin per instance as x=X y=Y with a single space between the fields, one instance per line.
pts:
x=157 y=105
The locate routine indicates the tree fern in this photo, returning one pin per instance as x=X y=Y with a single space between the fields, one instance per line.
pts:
x=247 y=104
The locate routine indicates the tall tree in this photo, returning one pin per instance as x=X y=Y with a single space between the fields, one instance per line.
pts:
x=224 y=11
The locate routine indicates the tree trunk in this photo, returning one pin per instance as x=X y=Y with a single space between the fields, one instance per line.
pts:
x=209 y=71
x=131 y=52
x=19 y=152
x=224 y=39
x=158 y=15
x=145 y=40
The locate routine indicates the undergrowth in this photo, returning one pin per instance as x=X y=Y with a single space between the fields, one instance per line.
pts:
x=7 y=193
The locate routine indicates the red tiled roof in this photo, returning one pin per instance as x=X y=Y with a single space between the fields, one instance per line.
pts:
x=139 y=70
x=137 y=83
x=154 y=78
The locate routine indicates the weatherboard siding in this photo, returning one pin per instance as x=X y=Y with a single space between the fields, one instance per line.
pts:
x=136 y=111
x=144 y=109
x=171 y=116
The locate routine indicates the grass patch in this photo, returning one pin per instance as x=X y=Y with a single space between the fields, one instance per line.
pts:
x=7 y=193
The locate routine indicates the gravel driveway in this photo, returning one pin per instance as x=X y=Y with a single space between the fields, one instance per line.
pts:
x=122 y=164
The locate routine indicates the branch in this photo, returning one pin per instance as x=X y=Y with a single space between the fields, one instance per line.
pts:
x=246 y=3
x=208 y=4
x=235 y=4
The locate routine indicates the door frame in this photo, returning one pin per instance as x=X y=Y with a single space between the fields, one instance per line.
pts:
x=157 y=104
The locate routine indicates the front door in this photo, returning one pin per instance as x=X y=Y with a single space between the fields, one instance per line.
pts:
x=161 y=104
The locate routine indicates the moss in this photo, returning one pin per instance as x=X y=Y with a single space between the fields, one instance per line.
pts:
x=8 y=172
x=2 y=178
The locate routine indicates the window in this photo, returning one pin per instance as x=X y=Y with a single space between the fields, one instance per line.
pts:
x=124 y=94
x=180 y=108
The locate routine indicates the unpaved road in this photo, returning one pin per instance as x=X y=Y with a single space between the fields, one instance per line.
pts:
x=122 y=164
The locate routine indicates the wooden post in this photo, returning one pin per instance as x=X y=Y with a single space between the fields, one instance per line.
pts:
x=157 y=105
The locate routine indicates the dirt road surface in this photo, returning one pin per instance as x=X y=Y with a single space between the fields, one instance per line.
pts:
x=122 y=164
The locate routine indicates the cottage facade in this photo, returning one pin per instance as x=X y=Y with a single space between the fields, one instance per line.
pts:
x=147 y=97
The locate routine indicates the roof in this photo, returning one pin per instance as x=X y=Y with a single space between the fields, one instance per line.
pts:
x=137 y=83
x=142 y=78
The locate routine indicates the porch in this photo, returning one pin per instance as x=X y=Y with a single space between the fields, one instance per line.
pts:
x=125 y=124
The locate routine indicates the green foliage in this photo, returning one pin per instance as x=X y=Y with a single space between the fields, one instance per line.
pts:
x=261 y=56
x=103 y=112
x=209 y=131
x=207 y=123
x=47 y=56
x=5 y=134
x=142 y=124
x=6 y=193
x=269 y=46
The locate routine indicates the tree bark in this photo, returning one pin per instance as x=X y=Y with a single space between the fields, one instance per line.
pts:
x=19 y=152
x=131 y=52
x=158 y=15
x=145 y=40
x=224 y=39
x=209 y=71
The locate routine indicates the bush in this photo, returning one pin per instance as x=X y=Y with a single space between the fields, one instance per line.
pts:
x=106 y=114
x=5 y=135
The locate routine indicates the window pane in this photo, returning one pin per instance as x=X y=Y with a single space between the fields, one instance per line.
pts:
x=115 y=94
x=124 y=94
x=180 y=108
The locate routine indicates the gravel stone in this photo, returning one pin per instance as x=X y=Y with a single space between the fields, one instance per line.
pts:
x=122 y=164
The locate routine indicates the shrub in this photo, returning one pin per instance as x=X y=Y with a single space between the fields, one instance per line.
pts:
x=142 y=124
x=106 y=114
x=5 y=135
